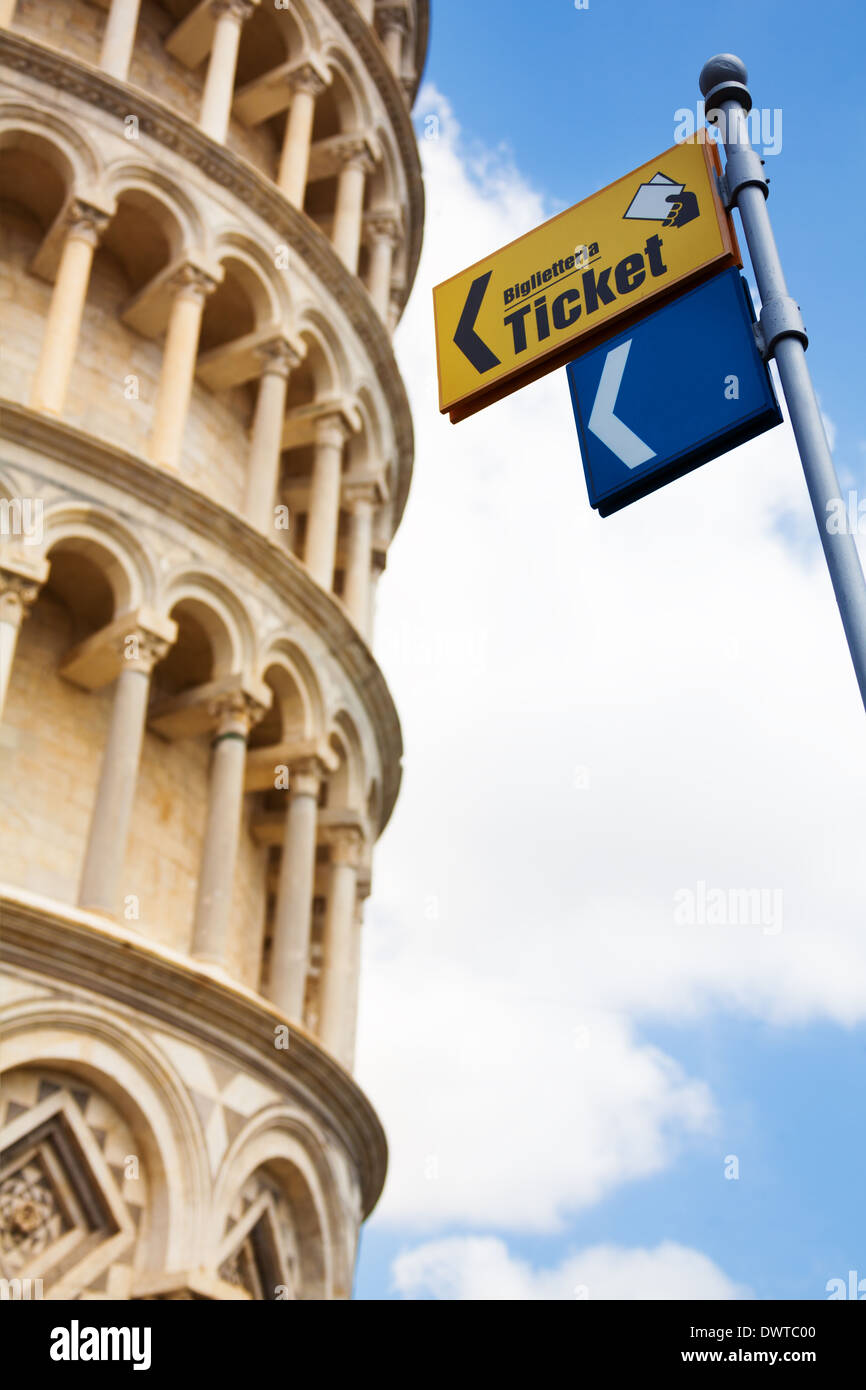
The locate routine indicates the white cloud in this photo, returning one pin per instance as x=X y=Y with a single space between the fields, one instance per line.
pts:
x=597 y=714
x=466 y=1268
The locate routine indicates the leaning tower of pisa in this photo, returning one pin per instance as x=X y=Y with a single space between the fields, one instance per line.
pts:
x=210 y=220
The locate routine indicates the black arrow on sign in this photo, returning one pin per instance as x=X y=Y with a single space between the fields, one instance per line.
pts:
x=468 y=341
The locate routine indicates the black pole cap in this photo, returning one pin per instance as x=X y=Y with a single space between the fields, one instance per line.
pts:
x=723 y=78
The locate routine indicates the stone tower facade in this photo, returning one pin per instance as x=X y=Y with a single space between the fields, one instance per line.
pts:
x=210 y=220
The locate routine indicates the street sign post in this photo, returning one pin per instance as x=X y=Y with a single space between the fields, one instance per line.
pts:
x=530 y=306
x=727 y=100
x=670 y=393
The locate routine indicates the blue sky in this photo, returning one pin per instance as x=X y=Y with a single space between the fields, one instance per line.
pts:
x=743 y=743
x=581 y=97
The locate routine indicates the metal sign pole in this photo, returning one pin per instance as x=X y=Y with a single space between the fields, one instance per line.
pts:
x=782 y=335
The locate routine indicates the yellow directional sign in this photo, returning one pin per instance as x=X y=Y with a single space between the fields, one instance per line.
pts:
x=532 y=305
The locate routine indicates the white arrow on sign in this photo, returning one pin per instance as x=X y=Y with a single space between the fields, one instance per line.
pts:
x=605 y=426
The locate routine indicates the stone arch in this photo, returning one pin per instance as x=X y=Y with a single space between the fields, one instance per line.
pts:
x=285 y=1142
x=303 y=16
x=347 y=786
x=179 y=218
x=207 y=612
x=374 y=804
x=120 y=1061
x=347 y=90
x=366 y=451
x=298 y=710
x=325 y=365
x=386 y=186
x=54 y=139
x=107 y=543
x=267 y=288
x=268 y=39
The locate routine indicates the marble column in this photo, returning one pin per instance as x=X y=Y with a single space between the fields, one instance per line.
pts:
x=360 y=500
x=290 y=955
x=118 y=40
x=395 y=307
x=338 y=955
x=219 y=84
x=191 y=286
x=19 y=590
x=140 y=650
x=235 y=714
x=378 y=561
x=356 y=164
x=85 y=225
x=383 y=230
x=7 y=12
x=320 y=547
x=263 y=468
x=394 y=25
x=306 y=85
x=363 y=892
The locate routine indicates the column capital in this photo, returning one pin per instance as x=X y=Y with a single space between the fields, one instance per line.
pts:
x=240 y=10
x=355 y=152
x=193 y=282
x=333 y=428
x=346 y=843
x=359 y=492
x=310 y=76
x=306 y=776
x=141 y=648
x=86 y=220
x=343 y=832
x=19 y=589
x=279 y=356
x=235 y=712
x=392 y=16
x=383 y=224
x=304 y=757
x=134 y=641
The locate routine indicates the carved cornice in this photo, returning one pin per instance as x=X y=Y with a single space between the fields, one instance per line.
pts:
x=286 y=576
x=260 y=195
x=83 y=951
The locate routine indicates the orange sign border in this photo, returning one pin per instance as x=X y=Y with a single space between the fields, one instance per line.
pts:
x=481 y=396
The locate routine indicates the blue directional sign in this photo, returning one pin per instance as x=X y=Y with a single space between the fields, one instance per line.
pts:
x=680 y=387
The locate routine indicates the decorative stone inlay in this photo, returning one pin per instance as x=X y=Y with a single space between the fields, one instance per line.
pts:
x=69 y=1210
x=261 y=1241
x=31 y=1217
